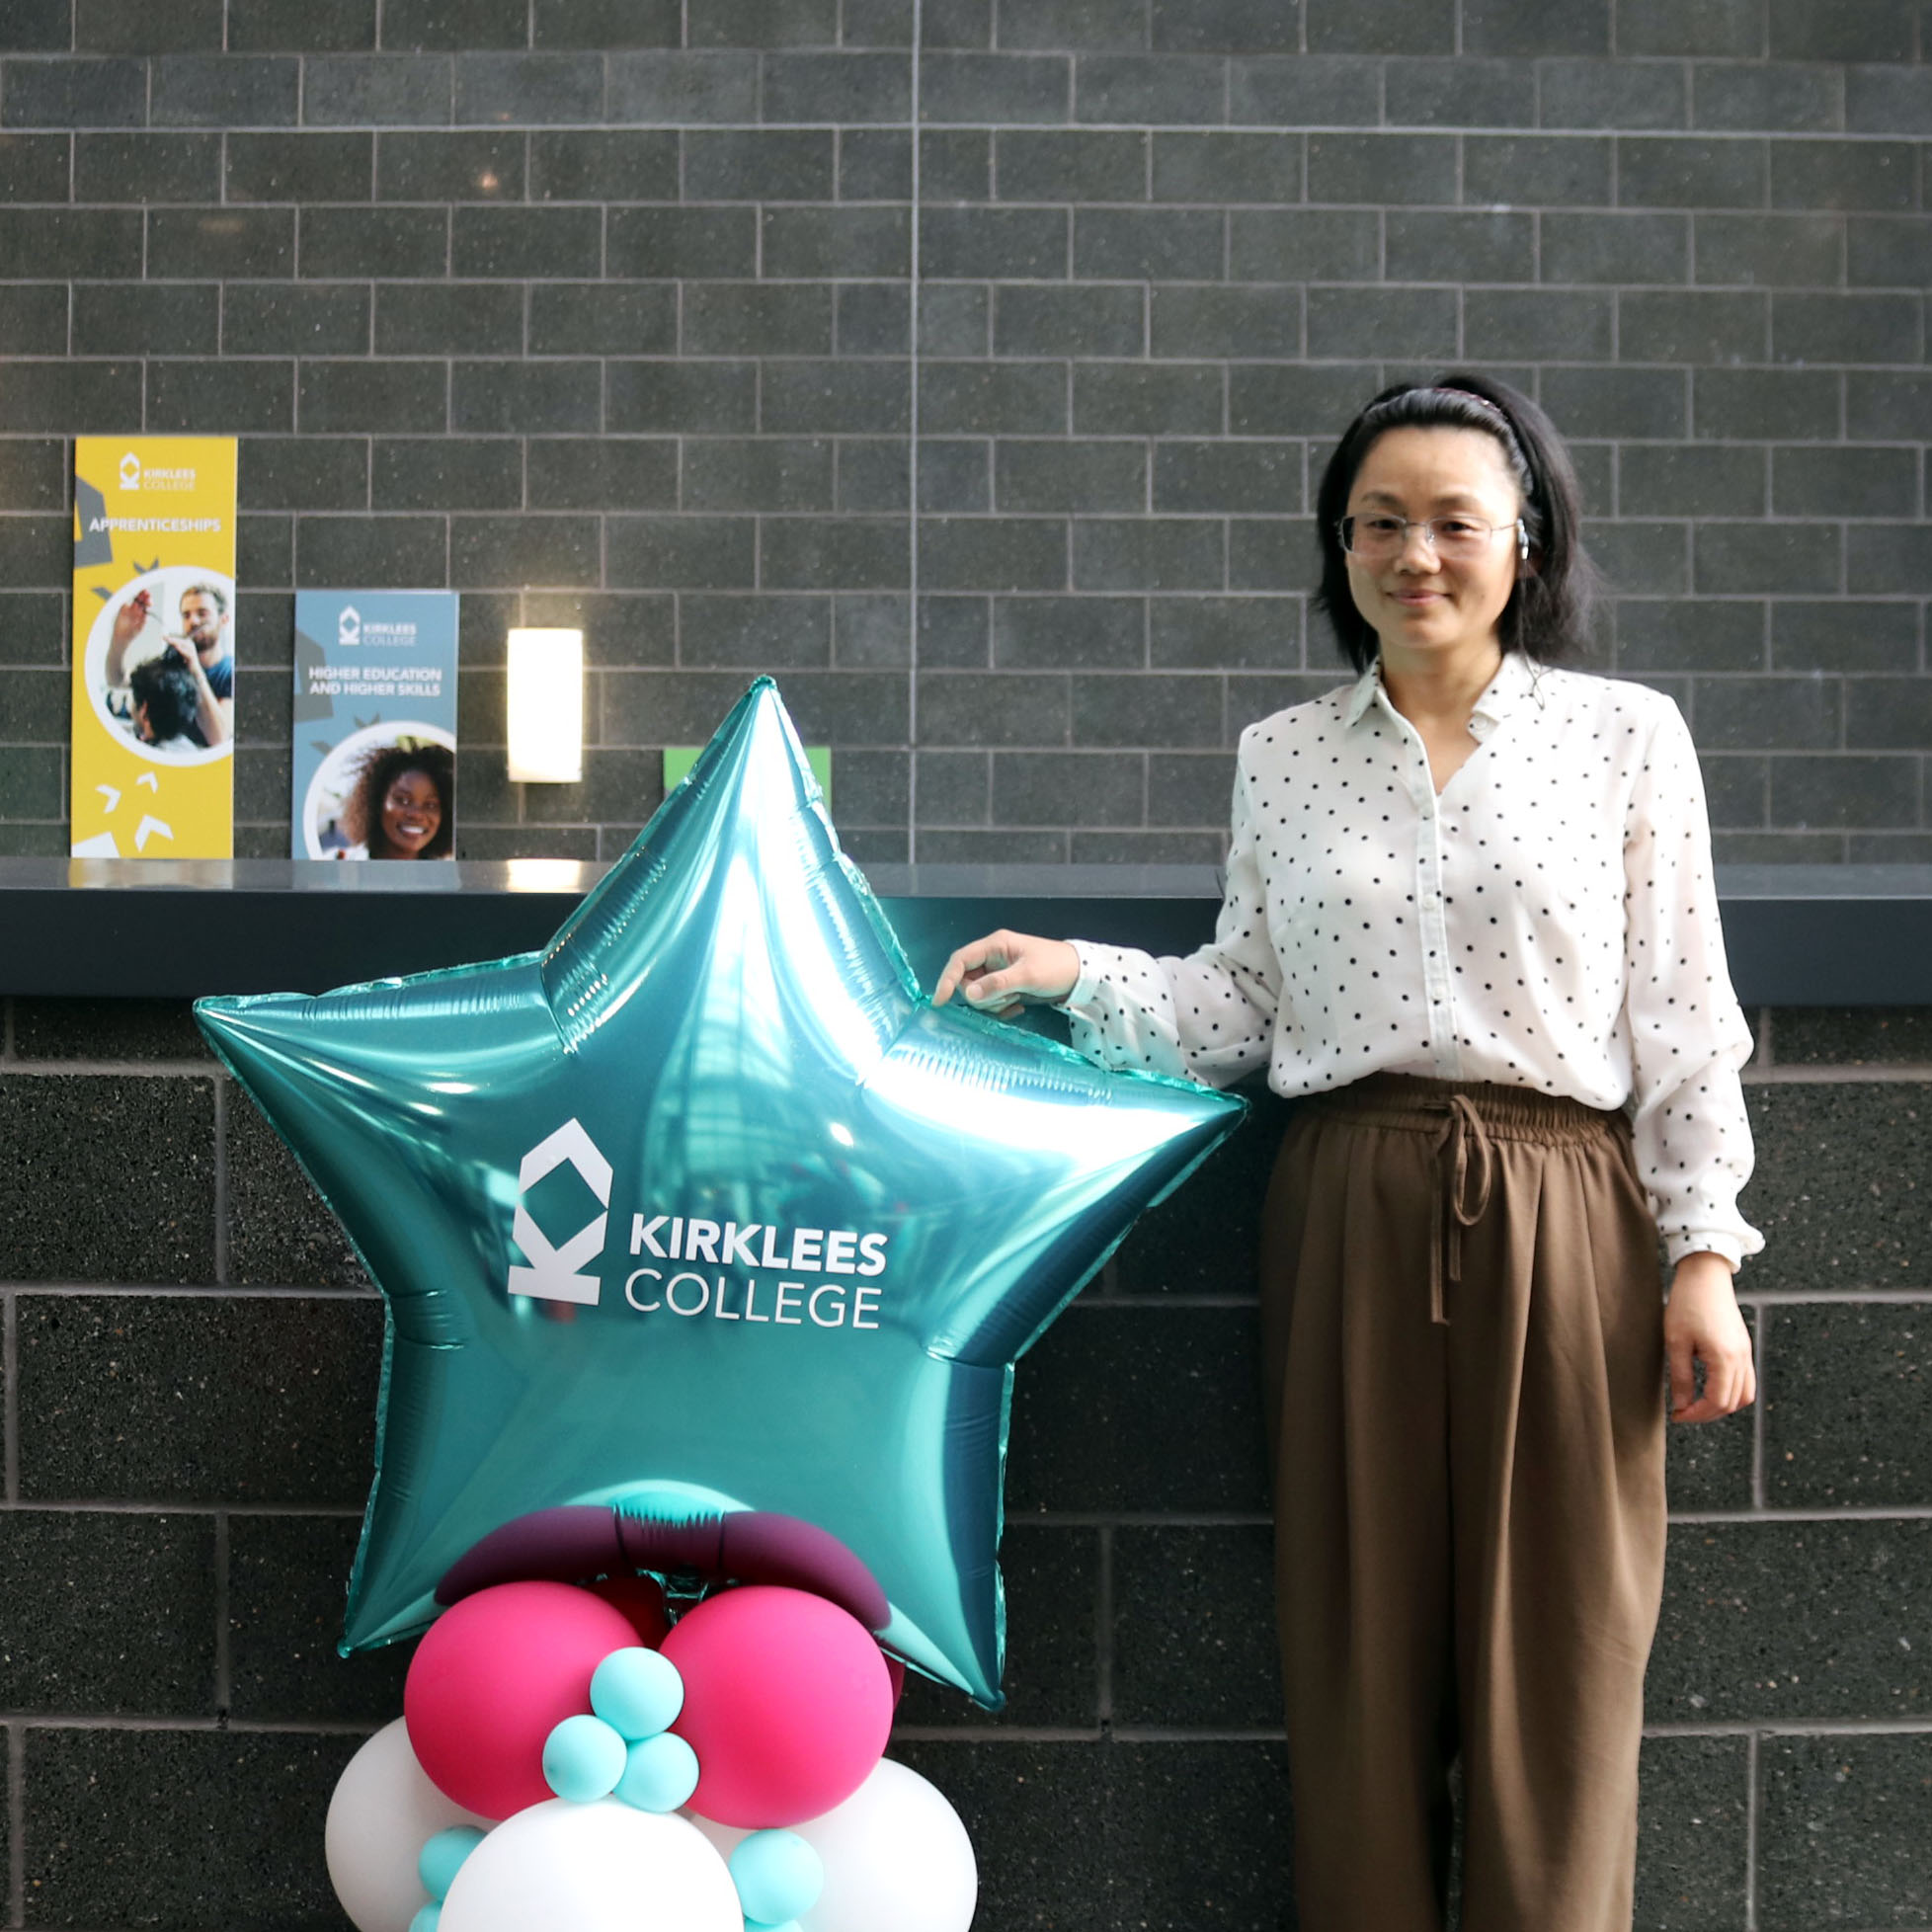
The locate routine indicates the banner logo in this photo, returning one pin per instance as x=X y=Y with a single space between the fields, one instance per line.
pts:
x=135 y=474
x=553 y=1275
x=348 y=627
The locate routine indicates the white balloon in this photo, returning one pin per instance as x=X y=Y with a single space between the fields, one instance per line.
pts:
x=897 y=1858
x=604 y=1867
x=383 y=1812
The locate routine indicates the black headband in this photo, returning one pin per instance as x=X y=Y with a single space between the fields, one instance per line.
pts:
x=1495 y=409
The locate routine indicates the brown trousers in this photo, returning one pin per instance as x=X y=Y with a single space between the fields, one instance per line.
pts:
x=1462 y=1341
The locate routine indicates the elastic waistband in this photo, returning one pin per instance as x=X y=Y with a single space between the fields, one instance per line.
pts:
x=1417 y=1104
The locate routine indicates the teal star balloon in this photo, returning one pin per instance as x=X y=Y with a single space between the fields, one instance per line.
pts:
x=705 y=1208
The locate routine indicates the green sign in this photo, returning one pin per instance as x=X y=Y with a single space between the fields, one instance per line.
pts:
x=678 y=760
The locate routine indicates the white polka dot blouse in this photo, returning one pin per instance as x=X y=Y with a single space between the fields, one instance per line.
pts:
x=1548 y=920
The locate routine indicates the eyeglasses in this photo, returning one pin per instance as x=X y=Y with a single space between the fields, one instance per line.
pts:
x=1447 y=536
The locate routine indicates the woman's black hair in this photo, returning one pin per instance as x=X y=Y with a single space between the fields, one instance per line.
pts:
x=379 y=768
x=1549 y=612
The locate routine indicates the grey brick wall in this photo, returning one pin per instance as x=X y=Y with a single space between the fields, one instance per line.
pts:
x=632 y=314
x=191 y=1358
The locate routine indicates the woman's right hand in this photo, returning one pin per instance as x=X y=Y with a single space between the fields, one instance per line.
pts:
x=1006 y=971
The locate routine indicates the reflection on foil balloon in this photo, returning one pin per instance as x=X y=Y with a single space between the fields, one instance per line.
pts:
x=704 y=1208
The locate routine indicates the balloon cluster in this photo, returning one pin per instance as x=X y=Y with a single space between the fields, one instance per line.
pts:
x=571 y=1758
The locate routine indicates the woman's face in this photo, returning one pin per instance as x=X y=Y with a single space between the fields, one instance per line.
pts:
x=1423 y=605
x=412 y=813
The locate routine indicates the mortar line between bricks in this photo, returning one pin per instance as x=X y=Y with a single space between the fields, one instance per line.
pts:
x=119 y=1069
x=188 y=1507
x=1862 y=1512
x=17 y=1826
x=1828 y=1297
x=1581 y=136
x=1750 y=1832
x=221 y=1182
x=1842 y=1075
x=1798 y=1727
x=1147 y=1519
x=1729 y=137
x=246 y=1727
x=1794 y=519
x=190 y=1291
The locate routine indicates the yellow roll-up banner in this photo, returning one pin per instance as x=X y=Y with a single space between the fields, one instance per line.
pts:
x=154 y=647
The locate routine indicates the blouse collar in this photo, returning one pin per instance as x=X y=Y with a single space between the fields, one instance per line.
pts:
x=1515 y=679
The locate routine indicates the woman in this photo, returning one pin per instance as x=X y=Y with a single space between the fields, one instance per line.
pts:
x=1469 y=914
x=403 y=805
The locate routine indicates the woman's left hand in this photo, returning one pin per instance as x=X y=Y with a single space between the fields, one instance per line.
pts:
x=1701 y=1324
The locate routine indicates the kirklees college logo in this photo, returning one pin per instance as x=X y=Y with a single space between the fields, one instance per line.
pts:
x=348 y=627
x=754 y=1272
x=136 y=475
x=553 y=1275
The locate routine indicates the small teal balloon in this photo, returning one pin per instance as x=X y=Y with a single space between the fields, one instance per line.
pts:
x=442 y=1858
x=778 y=1876
x=426 y=1920
x=582 y=1759
x=637 y=1692
x=759 y=1925
x=659 y=1773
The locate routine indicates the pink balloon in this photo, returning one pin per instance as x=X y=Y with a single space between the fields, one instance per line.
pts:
x=787 y=1703
x=493 y=1676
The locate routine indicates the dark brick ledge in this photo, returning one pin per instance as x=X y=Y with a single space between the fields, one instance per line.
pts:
x=1797 y=935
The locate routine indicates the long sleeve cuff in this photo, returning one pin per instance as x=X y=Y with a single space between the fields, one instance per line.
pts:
x=1717 y=1241
x=1092 y=971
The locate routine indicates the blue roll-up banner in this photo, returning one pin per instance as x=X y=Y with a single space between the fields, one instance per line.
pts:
x=375 y=725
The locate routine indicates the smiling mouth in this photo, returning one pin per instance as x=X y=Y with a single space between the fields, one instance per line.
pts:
x=412 y=828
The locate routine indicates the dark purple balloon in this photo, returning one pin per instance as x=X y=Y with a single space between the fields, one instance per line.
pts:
x=576 y=1542
x=569 y=1544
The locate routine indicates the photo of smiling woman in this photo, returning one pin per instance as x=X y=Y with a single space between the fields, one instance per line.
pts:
x=401 y=803
x=1470 y=928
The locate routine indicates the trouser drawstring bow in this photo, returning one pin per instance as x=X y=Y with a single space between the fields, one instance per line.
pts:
x=1464 y=1126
